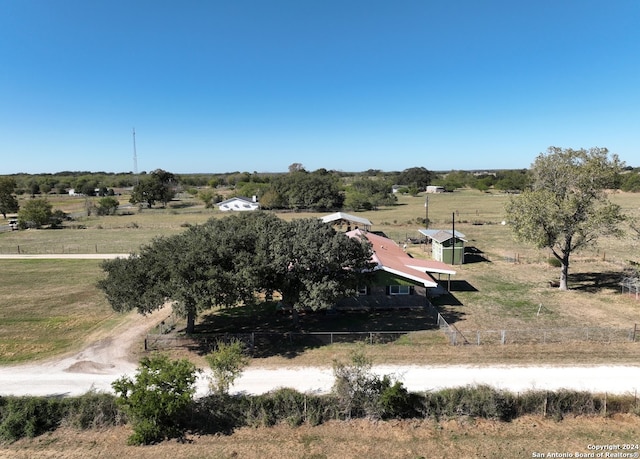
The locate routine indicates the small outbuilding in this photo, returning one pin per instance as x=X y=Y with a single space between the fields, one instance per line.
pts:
x=238 y=203
x=446 y=246
x=351 y=221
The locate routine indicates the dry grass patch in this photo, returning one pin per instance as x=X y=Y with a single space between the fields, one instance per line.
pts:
x=463 y=437
x=50 y=307
x=435 y=351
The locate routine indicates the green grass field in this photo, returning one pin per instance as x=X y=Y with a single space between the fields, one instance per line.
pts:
x=51 y=307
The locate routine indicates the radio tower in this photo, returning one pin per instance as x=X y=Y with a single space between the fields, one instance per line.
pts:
x=135 y=156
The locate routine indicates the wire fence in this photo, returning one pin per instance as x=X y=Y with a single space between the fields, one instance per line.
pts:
x=631 y=285
x=163 y=339
x=262 y=340
x=545 y=336
x=451 y=331
x=258 y=341
x=58 y=249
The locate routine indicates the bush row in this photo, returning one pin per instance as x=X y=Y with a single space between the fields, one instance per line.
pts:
x=32 y=416
x=221 y=413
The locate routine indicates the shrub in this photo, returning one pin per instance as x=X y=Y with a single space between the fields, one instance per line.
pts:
x=28 y=417
x=531 y=402
x=476 y=401
x=227 y=362
x=288 y=406
x=93 y=410
x=158 y=399
x=565 y=402
x=396 y=402
x=282 y=405
x=107 y=206
x=360 y=393
x=220 y=413
x=554 y=262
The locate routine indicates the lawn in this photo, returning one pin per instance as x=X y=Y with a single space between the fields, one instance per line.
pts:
x=49 y=307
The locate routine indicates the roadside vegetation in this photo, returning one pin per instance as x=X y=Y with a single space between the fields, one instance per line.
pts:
x=158 y=405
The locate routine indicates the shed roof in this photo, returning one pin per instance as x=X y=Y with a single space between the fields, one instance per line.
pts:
x=441 y=235
x=390 y=257
x=237 y=198
x=346 y=217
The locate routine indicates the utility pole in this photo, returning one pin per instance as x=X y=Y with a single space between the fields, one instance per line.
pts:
x=453 y=230
x=426 y=209
x=135 y=156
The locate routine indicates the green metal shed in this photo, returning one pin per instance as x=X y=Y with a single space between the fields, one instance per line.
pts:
x=446 y=247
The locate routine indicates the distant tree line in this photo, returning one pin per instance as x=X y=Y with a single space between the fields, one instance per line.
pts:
x=297 y=189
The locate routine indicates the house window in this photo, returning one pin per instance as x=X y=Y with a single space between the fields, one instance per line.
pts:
x=399 y=289
x=363 y=290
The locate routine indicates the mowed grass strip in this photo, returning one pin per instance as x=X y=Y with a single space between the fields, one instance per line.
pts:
x=49 y=307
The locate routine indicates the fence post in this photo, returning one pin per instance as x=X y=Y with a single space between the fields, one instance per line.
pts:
x=503 y=337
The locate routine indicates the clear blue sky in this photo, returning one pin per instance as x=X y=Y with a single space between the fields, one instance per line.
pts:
x=256 y=85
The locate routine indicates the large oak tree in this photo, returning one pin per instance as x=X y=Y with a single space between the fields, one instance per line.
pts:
x=226 y=261
x=566 y=208
x=157 y=186
x=35 y=213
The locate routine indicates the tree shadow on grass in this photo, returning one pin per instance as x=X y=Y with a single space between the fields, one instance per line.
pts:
x=447 y=307
x=451 y=315
x=277 y=333
x=595 y=282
